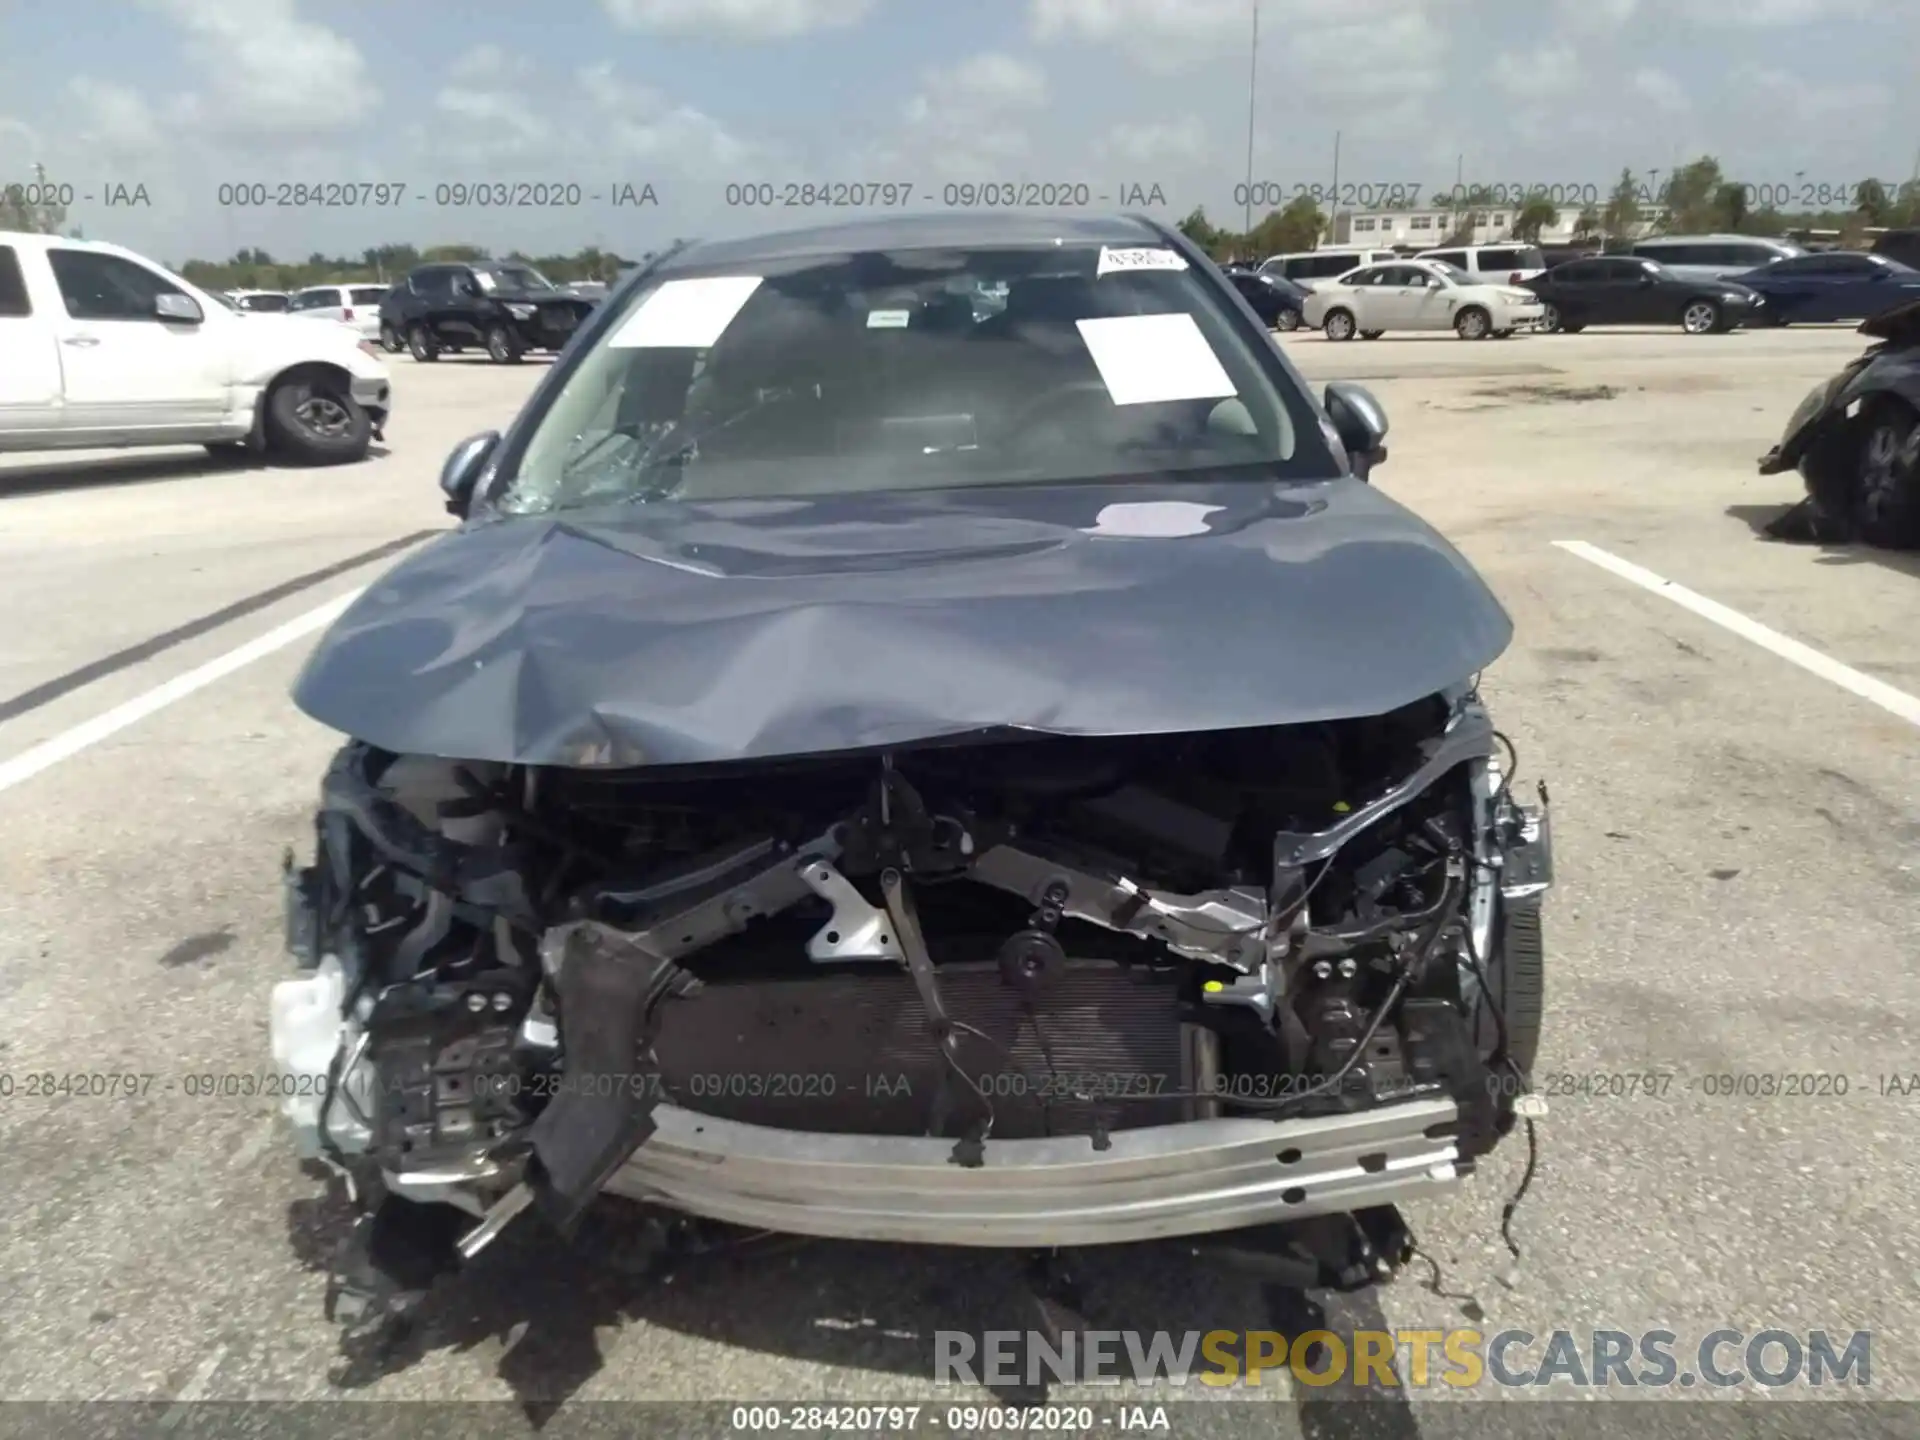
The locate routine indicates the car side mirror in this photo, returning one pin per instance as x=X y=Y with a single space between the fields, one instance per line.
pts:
x=461 y=473
x=1360 y=422
x=178 y=309
x=1645 y=279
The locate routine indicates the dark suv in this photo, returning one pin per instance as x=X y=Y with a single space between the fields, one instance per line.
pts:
x=504 y=307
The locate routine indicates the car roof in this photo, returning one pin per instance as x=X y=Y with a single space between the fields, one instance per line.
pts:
x=34 y=240
x=1722 y=237
x=962 y=230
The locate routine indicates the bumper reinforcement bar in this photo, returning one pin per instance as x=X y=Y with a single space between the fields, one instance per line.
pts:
x=1150 y=1183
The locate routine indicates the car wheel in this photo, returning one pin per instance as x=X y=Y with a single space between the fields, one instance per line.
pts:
x=1550 y=322
x=1472 y=323
x=1371 y=334
x=1701 y=317
x=1516 y=982
x=1886 y=495
x=390 y=340
x=503 y=346
x=1338 y=325
x=311 y=420
x=420 y=344
x=1287 y=320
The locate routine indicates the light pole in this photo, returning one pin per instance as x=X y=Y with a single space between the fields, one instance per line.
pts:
x=1253 y=77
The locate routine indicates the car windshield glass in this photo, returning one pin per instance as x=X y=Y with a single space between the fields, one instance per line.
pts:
x=1453 y=273
x=511 y=277
x=264 y=302
x=877 y=371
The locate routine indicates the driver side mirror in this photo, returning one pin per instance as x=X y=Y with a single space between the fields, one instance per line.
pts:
x=177 y=309
x=461 y=474
x=1360 y=422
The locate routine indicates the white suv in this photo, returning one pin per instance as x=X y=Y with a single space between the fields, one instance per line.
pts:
x=1493 y=264
x=101 y=348
x=355 y=305
x=1314 y=268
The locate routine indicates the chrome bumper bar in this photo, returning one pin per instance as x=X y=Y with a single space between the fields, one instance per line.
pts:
x=1168 y=1180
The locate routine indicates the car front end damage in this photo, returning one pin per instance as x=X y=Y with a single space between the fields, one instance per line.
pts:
x=997 y=990
x=1854 y=439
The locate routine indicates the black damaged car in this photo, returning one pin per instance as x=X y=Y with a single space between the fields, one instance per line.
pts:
x=864 y=769
x=1855 y=441
x=503 y=307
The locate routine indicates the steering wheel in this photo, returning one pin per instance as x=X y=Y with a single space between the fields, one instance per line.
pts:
x=1076 y=392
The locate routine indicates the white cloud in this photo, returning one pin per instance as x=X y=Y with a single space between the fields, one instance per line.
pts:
x=972 y=121
x=269 y=75
x=1162 y=35
x=1155 y=142
x=491 y=125
x=1589 y=17
x=1545 y=72
x=1765 y=14
x=737 y=19
x=1660 y=89
x=1779 y=97
x=115 y=122
x=485 y=62
x=640 y=124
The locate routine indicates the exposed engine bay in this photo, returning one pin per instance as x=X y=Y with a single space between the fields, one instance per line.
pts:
x=1006 y=990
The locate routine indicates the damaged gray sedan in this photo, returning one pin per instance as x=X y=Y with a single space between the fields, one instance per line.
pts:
x=862 y=768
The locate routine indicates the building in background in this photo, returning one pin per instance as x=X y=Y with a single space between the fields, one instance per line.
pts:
x=1426 y=229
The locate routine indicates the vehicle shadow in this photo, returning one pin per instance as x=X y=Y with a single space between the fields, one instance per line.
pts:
x=81 y=473
x=1758 y=517
x=848 y=1305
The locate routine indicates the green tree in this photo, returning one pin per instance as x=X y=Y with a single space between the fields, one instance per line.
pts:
x=1586 y=225
x=29 y=206
x=1871 y=201
x=1537 y=214
x=1906 y=204
x=1691 y=195
x=1200 y=230
x=453 y=254
x=1298 y=226
x=1621 y=219
x=1730 y=206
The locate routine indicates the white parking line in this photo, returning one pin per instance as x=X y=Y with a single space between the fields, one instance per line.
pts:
x=69 y=743
x=1896 y=702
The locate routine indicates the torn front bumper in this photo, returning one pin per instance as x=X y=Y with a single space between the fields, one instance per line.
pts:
x=1170 y=1180
x=375 y=396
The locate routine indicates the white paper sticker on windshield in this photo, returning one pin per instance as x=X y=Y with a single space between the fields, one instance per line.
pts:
x=888 y=319
x=1148 y=359
x=1139 y=258
x=685 y=314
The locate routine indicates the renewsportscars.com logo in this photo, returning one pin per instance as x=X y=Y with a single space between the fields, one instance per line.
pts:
x=1458 y=1359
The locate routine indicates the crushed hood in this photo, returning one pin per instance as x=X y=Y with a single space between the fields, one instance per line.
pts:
x=673 y=633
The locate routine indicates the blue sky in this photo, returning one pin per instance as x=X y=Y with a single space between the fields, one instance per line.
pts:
x=183 y=96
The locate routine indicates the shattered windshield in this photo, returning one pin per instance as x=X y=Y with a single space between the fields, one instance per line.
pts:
x=915 y=369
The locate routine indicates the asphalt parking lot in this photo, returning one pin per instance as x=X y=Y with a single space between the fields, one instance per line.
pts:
x=1738 y=841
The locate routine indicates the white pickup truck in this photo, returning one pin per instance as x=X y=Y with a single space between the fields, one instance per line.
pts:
x=101 y=348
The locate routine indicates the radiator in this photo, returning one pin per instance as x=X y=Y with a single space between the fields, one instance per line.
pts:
x=850 y=1052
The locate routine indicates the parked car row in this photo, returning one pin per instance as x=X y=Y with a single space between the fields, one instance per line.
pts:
x=1702 y=283
x=1433 y=294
